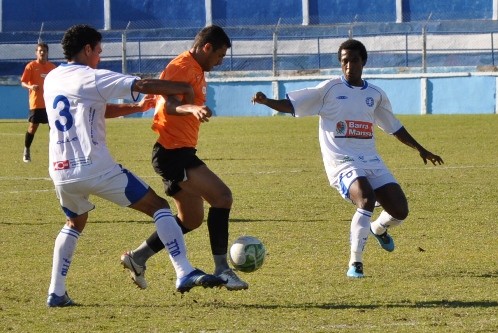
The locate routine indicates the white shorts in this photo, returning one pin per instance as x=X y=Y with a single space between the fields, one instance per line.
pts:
x=376 y=177
x=118 y=185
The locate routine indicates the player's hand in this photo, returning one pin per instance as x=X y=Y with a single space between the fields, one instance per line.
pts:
x=428 y=156
x=259 y=98
x=148 y=102
x=35 y=87
x=203 y=113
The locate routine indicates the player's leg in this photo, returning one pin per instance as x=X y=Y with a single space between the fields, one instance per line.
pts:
x=125 y=189
x=76 y=206
x=354 y=187
x=28 y=140
x=362 y=195
x=37 y=117
x=395 y=210
x=392 y=199
x=205 y=183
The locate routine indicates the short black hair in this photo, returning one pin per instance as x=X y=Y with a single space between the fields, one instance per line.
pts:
x=353 y=44
x=42 y=44
x=213 y=35
x=76 y=37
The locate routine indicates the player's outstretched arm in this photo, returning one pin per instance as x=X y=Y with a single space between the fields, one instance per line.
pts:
x=124 y=109
x=405 y=137
x=165 y=88
x=281 y=105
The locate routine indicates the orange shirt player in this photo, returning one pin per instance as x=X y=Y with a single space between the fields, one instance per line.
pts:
x=32 y=79
x=185 y=176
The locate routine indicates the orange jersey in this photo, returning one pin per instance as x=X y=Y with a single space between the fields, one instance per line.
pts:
x=180 y=131
x=34 y=73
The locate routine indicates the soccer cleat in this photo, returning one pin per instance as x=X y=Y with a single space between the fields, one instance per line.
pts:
x=137 y=272
x=355 y=270
x=233 y=281
x=385 y=241
x=198 y=278
x=26 y=156
x=54 y=301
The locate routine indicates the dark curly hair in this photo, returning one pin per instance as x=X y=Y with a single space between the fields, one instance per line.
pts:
x=353 y=44
x=76 y=37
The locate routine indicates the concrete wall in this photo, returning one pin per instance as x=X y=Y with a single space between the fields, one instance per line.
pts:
x=452 y=93
x=28 y=15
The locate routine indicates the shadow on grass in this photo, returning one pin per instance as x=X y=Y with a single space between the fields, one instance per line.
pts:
x=332 y=306
x=425 y=304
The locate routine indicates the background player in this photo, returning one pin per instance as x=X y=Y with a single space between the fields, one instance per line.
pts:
x=32 y=79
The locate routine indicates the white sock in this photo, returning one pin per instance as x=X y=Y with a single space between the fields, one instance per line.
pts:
x=360 y=229
x=171 y=235
x=65 y=245
x=384 y=221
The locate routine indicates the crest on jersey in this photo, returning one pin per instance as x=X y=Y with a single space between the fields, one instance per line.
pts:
x=369 y=101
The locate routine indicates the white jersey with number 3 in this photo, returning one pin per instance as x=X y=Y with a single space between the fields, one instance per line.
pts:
x=347 y=118
x=76 y=97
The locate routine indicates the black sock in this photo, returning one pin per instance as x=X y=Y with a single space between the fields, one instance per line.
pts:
x=28 y=139
x=154 y=242
x=217 y=223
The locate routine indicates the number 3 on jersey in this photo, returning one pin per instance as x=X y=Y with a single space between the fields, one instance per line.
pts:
x=63 y=113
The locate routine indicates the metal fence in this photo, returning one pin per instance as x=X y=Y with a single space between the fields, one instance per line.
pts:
x=277 y=50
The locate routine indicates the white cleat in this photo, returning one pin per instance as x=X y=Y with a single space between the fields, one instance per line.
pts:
x=233 y=281
x=137 y=272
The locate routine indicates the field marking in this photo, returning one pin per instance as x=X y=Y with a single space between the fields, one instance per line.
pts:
x=438 y=167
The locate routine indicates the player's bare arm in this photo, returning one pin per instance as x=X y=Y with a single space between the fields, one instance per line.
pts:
x=405 y=137
x=281 y=105
x=165 y=88
x=177 y=108
x=119 y=110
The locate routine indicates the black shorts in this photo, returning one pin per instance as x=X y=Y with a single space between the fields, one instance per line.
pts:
x=38 y=116
x=172 y=165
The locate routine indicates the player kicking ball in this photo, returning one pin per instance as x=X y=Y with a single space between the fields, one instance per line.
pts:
x=80 y=165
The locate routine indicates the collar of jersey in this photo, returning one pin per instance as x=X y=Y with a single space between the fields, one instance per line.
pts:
x=343 y=79
x=72 y=64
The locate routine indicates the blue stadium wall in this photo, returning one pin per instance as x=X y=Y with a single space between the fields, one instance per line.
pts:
x=29 y=15
x=469 y=94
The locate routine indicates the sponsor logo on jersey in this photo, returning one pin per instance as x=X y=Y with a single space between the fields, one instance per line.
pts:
x=73 y=163
x=342 y=97
x=61 y=165
x=354 y=129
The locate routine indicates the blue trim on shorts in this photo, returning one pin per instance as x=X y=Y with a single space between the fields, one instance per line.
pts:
x=135 y=189
x=69 y=213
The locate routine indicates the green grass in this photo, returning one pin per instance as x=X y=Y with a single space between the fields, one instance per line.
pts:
x=281 y=195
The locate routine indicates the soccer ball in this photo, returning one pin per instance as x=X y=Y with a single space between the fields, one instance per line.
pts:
x=247 y=254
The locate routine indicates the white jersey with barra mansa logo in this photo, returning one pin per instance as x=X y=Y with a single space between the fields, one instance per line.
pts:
x=76 y=97
x=347 y=118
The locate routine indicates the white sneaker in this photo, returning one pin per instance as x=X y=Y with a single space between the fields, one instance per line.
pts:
x=137 y=272
x=26 y=155
x=233 y=281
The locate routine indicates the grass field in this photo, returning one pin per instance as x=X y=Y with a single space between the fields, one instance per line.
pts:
x=442 y=277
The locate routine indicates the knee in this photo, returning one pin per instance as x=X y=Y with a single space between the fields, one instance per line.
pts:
x=400 y=213
x=366 y=202
x=224 y=200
